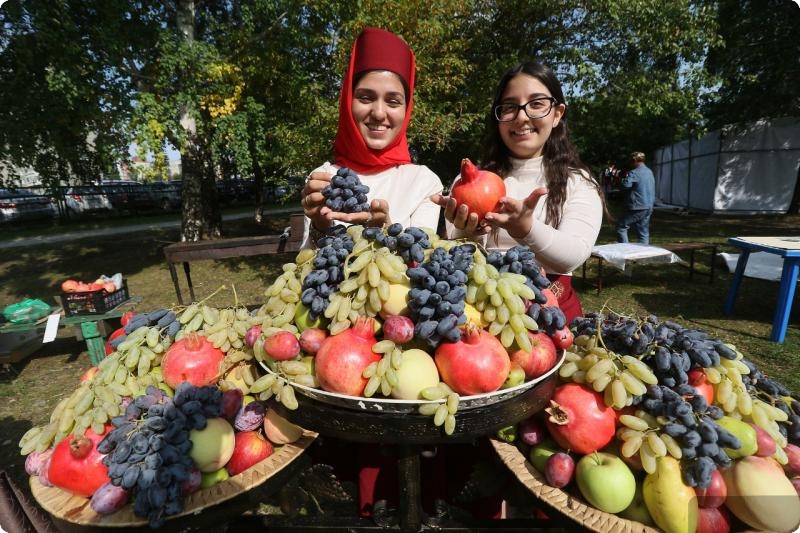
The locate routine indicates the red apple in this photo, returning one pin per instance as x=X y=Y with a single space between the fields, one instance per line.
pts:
x=249 y=449
x=559 y=469
x=476 y=364
x=282 y=346
x=552 y=300
x=114 y=334
x=563 y=338
x=713 y=520
x=793 y=453
x=714 y=495
x=698 y=380
x=540 y=359
x=766 y=444
x=311 y=339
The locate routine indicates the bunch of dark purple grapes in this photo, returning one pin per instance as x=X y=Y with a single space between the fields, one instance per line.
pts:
x=346 y=193
x=692 y=424
x=437 y=297
x=320 y=283
x=775 y=393
x=409 y=243
x=148 y=449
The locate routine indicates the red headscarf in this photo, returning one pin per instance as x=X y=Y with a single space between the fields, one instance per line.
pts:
x=374 y=49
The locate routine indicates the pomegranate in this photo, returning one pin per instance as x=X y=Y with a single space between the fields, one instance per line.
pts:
x=342 y=358
x=579 y=419
x=480 y=190
x=193 y=359
x=476 y=364
x=76 y=465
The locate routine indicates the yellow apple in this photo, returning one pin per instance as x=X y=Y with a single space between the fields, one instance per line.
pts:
x=417 y=372
x=397 y=304
x=213 y=445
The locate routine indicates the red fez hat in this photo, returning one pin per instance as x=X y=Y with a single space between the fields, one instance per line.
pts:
x=378 y=49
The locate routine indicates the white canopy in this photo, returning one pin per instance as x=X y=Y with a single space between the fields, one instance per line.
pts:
x=743 y=168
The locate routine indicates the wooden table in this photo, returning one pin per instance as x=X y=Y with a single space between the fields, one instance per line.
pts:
x=185 y=252
x=789 y=249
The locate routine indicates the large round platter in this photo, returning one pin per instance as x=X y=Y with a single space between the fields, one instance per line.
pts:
x=563 y=502
x=389 y=405
x=378 y=420
x=75 y=509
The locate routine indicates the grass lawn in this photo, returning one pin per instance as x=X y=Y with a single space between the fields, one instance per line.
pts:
x=31 y=389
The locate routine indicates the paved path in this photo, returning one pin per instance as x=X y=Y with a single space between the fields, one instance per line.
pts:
x=22 y=242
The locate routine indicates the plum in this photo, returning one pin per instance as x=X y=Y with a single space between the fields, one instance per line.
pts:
x=559 y=469
x=108 y=499
x=250 y=417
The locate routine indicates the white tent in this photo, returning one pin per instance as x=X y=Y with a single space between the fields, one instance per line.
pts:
x=743 y=169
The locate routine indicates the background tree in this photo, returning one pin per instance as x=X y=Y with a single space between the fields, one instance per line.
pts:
x=759 y=66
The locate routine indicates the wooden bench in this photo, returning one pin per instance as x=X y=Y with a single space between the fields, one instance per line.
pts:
x=676 y=248
x=186 y=252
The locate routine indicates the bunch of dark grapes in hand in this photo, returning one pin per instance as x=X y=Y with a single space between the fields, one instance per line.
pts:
x=437 y=296
x=320 y=283
x=692 y=424
x=346 y=193
x=148 y=449
x=409 y=243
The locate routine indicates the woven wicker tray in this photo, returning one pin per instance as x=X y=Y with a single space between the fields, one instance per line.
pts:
x=76 y=509
x=563 y=502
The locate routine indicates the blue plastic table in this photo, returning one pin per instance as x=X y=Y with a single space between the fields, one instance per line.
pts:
x=789 y=249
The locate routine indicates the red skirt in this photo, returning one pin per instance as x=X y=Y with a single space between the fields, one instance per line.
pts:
x=567 y=298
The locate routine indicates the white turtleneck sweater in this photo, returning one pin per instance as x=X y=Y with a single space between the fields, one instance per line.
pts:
x=562 y=249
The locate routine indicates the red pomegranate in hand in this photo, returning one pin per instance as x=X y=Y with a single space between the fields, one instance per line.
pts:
x=476 y=364
x=480 y=190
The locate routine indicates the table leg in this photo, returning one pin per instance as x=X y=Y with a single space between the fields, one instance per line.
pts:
x=691 y=264
x=737 y=279
x=174 y=275
x=188 y=279
x=713 y=264
x=94 y=342
x=599 y=274
x=791 y=267
x=410 y=500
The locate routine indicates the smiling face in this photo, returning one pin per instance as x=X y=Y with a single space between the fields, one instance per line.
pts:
x=379 y=107
x=525 y=137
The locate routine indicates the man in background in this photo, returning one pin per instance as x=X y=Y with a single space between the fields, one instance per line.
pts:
x=640 y=185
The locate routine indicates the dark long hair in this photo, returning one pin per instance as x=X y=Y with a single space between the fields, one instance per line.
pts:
x=559 y=156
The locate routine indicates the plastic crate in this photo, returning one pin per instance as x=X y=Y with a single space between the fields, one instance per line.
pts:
x=93 y=302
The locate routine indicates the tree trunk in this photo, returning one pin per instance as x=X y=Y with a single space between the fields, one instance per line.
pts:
x=200 y=215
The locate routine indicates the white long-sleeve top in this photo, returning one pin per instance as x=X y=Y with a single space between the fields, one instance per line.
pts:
x=562 y=249
x=407 y=188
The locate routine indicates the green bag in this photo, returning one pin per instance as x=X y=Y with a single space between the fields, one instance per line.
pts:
x=26 y=311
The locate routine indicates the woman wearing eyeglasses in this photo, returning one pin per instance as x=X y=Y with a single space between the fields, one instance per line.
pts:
x=553 y=205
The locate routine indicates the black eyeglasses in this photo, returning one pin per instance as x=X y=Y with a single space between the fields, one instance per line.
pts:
x=536 y=108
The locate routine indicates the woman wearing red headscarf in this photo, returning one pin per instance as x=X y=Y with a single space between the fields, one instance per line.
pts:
x=374 y=112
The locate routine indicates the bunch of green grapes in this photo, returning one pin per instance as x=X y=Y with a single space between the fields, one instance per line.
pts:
x=620 y=378
x=442 y=404
x=500 y=298
x=382 y=375
x=641 y=433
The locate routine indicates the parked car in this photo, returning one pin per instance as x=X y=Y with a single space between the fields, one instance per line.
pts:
x=21 y=204
x=82 y=199
x=166 y=195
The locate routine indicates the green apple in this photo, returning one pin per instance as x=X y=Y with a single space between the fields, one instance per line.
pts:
x=208 y=479
x=605 y=481
x=303 y=321
x=213 y=445
x=541 y=452
x=417 y=372
x=516 y=376
x=744 y=432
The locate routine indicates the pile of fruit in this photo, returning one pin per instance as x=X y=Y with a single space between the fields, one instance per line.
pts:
x=108 y=284
x=667 y=426
x=179 y=402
